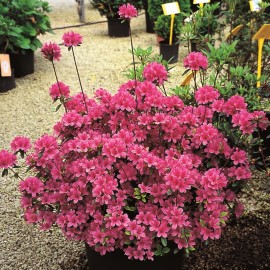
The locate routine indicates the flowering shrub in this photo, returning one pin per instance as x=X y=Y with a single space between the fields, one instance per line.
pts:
x=139 y=170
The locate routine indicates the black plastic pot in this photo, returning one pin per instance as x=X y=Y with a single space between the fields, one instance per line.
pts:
x=117 y=28
x=169 y=52
x=23 y=64
x=116 y=260
x=7 y=83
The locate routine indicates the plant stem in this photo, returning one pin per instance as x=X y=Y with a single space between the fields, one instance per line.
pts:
x=164 y=90
x=132 y=51
x=58 y=83
x=79 y=79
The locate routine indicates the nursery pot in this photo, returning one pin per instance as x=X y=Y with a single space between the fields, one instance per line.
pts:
x=117 y=28
x=116 y=260
x=169 y=51
x=23 y=64
x=149 y=23
x=7 y=83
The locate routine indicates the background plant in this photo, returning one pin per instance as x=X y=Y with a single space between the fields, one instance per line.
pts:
x=21 y=23
x=155 y=7
x=246 y=50
x=202 y=26
x=109 y=8
x=163 y=26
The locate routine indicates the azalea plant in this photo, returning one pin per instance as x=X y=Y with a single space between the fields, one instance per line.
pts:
x=139 y=171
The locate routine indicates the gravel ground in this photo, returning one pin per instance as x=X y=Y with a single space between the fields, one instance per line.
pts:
x=27 y=110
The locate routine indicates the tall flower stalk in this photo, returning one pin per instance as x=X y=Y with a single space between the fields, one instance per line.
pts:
x=127 y=12
x=52 y=52
x=72 y=39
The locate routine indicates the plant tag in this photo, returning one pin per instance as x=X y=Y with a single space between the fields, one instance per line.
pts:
x=261 y=35
x=200 y=1
x=264 y=32
x=171 y=8
x=254 y=5
x=5 y=65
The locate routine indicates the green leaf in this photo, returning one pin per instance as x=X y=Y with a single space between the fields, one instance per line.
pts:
x=223 y=214
x=58 y=107
x=164 y=241
x=222 y=221
x=4 y=172
x=166 y=250
x=130 y=208
x=127 y=233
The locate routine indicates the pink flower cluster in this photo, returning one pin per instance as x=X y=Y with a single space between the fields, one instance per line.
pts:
x=7 y=159
x=127 y=11
x=72 y=39
x=59 y=90
x=155 y=72
x=196 y=61
x=51 y=51
x=135 y=169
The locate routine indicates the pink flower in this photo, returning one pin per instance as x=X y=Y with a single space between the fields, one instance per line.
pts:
x=7 y=159
x=239 y=157
x=239 y=210
x=20 y=143
x=51 y=51
x=59 y=90
x=72 y=39
x=195 y=61
x=155 y=72
x=32 y=185
x=127 y=11
x=206 y=94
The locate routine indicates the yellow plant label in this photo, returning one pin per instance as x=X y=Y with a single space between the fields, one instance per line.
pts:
x=235 y=31
x=200 y=1
x=254 y=5
x=261 y=35
x=171 y=8
x=264 y=32
x=5 y=65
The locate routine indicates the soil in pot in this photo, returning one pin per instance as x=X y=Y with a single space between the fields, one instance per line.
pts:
x=169 y=52
x=23 y=64
x=117 y=28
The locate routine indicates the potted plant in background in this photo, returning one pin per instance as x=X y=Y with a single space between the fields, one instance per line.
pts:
x=201 y=27
x=149 y=22
x=30 y=17
x=162 y=29
x=8 y=32
x=109 y=8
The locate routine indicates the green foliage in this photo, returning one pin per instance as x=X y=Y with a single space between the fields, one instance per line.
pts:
x=246 y=50
x=21 y=21
x=109 y=8
x=145 y=56
x=231 y=79
x=201 y=26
